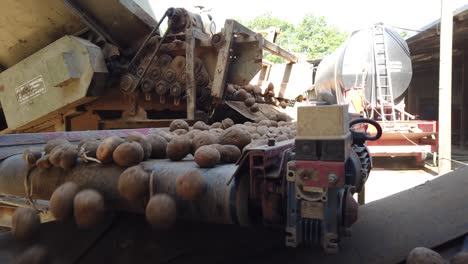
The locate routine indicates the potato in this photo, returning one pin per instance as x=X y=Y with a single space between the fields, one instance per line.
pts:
x=292 y=133
x=227 y=123
x=254 y=108
x=264 y=122
x=179 y=132
x=216 y=125
x=230 y=154
x=178 y=124
x=282 y=117
x=178 y=148
x=34 y=255
x=272 y=116
x=158 y=146
x=64 y=156
x=44 y=162
x=207 y=157
x=282 y=123
x=270 y=87
x=133 y=183
x=107 y=147
x=241 y=126
x=249 y=101
x=257 y=90
x=240 y=95
x=254 y=136
x=283 y=104
x=200 y=125
x=61 y=201
x=89 y=146
x=257 y=143
x=202 y=139
x=281 y=138
x=217 y=146
x=190 y=185
x=273 y=130
x=51 y=144
x=161 y=211
x=88 y=208
x=31 y=156
x=460 y=258
x=424 y=255
x=191 y=134
x=217 y=131
x=128 y=154
x=235 y=136
x=143 y=141
x=251 y=129
x=259 y=99
x=262 y=130
x=167 y=136
x=230 y=89
x=25 y=223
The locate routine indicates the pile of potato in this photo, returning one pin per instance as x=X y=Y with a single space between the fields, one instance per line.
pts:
x=252 y=95
x=210 y=145
x=422 y=255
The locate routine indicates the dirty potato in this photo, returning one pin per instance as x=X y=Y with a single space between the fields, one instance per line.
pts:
x=61 y=201
x=161 y=211
x=107 y=148
x=25 y=223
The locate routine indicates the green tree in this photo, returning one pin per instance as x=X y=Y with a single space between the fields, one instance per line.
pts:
x=284 y=39
x=316 y=38
x=313 y=37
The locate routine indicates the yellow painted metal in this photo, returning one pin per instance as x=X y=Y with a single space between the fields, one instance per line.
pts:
x=30 y=25
x=51 y=81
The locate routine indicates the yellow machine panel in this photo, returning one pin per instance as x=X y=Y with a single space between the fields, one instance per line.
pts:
x=64 y=74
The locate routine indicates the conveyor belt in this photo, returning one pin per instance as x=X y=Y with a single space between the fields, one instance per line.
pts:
x=427 y=215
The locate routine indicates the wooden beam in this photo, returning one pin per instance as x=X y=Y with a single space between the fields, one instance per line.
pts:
x=278 y=51
x=224 y=58
x=190 y=73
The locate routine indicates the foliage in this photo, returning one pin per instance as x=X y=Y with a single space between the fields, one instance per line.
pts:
x=313 y=37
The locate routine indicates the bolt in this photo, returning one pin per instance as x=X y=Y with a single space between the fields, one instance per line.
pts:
x=332 y=178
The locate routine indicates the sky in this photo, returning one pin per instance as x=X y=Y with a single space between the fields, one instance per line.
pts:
x=347 y=15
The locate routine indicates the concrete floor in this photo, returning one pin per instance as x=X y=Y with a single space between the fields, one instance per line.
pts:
x=393 y=175
x=383 y=182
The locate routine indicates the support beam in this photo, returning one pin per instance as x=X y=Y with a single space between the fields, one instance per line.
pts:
x=278 y=51
x=190 y=73
x=445 y=88
x=224 y=57
x=464 y=101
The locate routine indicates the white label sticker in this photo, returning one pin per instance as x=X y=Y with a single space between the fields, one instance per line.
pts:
x=30 y=90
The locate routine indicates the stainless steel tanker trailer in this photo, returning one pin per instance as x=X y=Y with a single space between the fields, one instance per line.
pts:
x=371 y=73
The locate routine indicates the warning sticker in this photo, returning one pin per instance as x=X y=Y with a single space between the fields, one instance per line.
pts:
x=30 y=90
